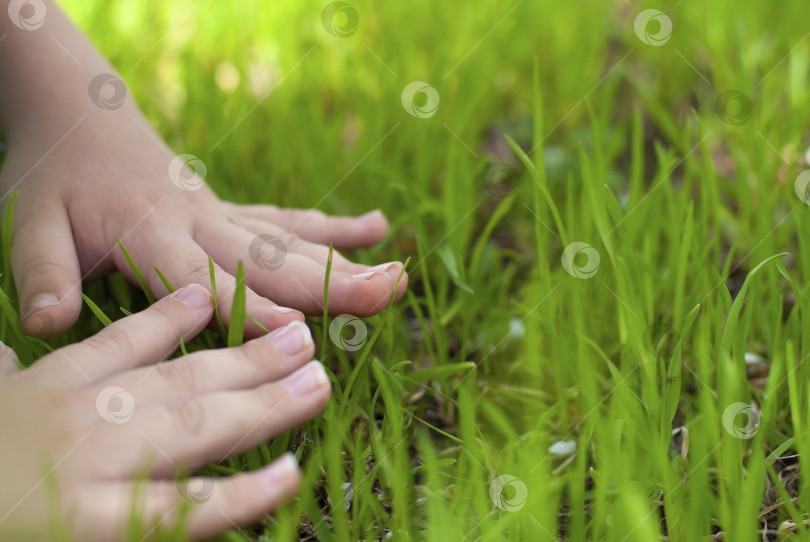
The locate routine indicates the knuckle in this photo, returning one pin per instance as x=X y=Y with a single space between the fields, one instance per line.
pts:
x=290 y=239
x=39 y=269
x=161 y=319
x=198 y=270
x=265 y=398
x=253 y=356
x=178 y=375
x=301 y=215
x=316 y=214
x=112 y=340
x=163 y=497
x=233 y=494
x=188 y=416
x=7 y=354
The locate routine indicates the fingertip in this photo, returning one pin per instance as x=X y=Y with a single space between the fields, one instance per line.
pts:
x=193 y=296
x=282 y=479
x=366 y=294
x=269 y=315
x=374 y=218
x=45 y=267
x=48 y=315
x=371 y=228
x=310 y=380
x=8 y=359
x=38 y=323
x=293 y=340
x=249 y=497
x=190 y=307
x=402 y=285
x=37 y=302
x=281 y=316
x=393 y=273
x=393 y=270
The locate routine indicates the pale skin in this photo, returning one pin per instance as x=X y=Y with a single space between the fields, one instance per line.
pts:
x=184 y=413
x=85 y=175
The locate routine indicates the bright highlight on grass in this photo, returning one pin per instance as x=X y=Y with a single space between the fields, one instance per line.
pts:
x=625 y=186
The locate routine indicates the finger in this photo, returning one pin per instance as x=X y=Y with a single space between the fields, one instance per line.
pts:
x=245 y=498
x=256 y=362
x=214 y=504
x=296 y=281
x=264 y=232
x=212 y=427
x=46 y=268
x=188 y=263
x=344 y=232
x=8 y=360
x=145 y=337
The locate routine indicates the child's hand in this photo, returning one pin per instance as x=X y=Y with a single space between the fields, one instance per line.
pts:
x=87 y=174
x=89 y=419
x=110 y=178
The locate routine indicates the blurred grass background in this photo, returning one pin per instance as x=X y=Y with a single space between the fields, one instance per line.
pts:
x=602 y=400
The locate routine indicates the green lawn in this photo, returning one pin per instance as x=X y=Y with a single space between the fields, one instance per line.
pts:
x=650 y=382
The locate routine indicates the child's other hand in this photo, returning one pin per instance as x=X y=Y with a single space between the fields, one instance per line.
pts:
x=88 y=420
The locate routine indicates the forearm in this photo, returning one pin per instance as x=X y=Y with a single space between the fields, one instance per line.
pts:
x=47 y=74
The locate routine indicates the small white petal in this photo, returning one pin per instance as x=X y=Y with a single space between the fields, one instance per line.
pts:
x=516 y=329
x=751 y=358
x=563 y=447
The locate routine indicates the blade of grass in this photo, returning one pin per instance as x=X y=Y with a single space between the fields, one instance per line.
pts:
x=103 y=318
x=324 y=349
x=217 y=316
x=539 y=181
x=258 y=324
x=166 y=282
x=236 y=325
x=137 y=272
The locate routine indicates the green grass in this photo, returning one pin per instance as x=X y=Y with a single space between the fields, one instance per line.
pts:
x=497 y=353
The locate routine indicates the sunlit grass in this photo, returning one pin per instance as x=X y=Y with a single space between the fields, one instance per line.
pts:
x=498 y=357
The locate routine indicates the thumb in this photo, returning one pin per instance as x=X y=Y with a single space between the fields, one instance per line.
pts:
x=46 y=269
x=8 y=360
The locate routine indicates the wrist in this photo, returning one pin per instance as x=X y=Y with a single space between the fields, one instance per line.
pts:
x=52 y=77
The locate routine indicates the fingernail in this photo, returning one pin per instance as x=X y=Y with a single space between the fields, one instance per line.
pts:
x=279 y=471
x=193 y=295
x=385 y=267
x=40 y=301
x=306 y=379
x=367 y=276
x=292 y=338
x=381 y=270
x=371 y=215
x=282 y=310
